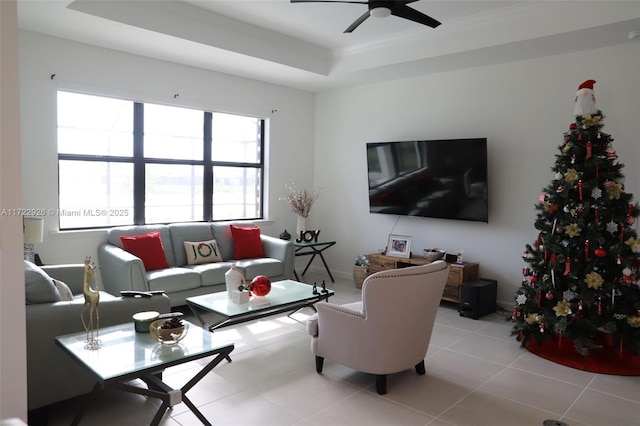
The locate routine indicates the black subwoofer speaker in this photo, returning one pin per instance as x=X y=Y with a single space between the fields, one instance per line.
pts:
x=478 y=298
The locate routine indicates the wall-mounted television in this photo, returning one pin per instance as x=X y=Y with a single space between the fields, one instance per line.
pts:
x=444 y=178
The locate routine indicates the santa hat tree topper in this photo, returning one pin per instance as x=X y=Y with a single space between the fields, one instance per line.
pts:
x=585 y=99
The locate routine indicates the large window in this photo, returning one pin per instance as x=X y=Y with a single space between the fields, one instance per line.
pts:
x=122 y=162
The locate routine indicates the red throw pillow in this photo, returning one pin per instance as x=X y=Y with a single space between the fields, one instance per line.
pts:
x=148 y=247
x=247 y=241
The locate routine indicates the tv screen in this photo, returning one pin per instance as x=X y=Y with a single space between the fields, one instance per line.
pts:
x=444 y=179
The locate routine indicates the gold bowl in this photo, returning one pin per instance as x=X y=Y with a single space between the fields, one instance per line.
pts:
x=168 y=336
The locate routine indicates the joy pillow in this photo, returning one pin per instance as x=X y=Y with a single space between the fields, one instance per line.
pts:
x=202 y=252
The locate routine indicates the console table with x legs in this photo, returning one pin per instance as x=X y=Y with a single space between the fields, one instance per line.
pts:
x=313 y=249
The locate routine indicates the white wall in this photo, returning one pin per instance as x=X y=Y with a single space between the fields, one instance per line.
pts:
x=290 y=115
x=522 y=108
x=13 y=343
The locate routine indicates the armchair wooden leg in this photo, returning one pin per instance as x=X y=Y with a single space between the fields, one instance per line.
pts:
x=420 y=368
x=381 y=384
x=319 y=363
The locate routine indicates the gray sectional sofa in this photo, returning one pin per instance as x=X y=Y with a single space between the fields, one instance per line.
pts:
x=52 y=375
x=122 y=270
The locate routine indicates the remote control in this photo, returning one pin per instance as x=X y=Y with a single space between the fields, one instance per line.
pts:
x=156 y=292
x=170 y=315
x=135 y=293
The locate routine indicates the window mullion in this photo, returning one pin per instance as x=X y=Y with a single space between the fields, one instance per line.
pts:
x=138 y=164
x=207 y=185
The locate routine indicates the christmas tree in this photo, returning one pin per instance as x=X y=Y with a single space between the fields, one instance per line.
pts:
x=580 y=282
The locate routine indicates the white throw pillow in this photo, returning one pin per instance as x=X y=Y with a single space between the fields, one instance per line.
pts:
x=64 y=290
x=202 y=252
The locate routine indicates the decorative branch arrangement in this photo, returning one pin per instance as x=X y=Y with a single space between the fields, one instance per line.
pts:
x=300 y=200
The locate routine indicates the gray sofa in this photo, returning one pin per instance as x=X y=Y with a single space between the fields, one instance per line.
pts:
x=52 y=375
x=122 y=270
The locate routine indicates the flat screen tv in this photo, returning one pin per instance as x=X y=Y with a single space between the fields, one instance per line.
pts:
x=444 y=179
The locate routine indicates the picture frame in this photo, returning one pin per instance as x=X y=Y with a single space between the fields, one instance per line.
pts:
x=399 y=246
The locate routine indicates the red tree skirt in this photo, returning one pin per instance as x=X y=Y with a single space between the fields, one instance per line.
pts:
x=606 y=360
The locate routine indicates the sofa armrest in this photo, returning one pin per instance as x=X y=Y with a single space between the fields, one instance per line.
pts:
x=282 y=250
x=71 y=274
x=121 y=270
x=49 y=320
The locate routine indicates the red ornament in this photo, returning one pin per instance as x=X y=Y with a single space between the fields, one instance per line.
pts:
x=580 y=189
x=567 y=267
x=600 y=252
x=534 y=278
x=586 y=251
x=260 y=285
x=599 y=305
x=572 y=126
x=588 y=151
x=549 y=295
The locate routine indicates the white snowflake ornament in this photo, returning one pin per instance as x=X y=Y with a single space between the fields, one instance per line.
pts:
x=521 y=299
x=568 y=295
x=596 y=193
x=612 y=227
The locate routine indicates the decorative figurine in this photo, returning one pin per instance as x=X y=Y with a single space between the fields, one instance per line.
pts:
x=91 y=299
x=285 y=235
x=324 y=287
x=315 y=288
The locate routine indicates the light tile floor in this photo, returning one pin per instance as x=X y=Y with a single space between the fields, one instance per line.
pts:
x=477 y=374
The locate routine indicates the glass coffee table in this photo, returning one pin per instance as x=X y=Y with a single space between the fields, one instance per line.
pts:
x=286 y=295
x=126 y=355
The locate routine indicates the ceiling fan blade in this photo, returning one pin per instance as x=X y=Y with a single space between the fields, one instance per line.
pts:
x=357 y=22
x=330 y=1
x=413 y=15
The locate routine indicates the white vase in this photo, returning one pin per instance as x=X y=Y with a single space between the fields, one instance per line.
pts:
x=233 y=279
x=301 y=226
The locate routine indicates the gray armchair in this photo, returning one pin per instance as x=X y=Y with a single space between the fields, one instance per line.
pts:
x=52 y=375
x=389 y=330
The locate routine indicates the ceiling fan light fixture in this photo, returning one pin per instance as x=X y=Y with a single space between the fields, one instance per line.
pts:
x=380 y=12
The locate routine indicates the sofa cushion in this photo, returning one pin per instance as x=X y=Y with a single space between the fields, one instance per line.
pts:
x=247 y=242
x=148 y=247
x=114 y=234
x=189 y=231
x=212 y=273
x=202 y=252
x=39 y=286
x=173 y=279
x=260 y=266
x=222 y=235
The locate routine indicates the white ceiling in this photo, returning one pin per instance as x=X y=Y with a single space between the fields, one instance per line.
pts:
x=303 y=46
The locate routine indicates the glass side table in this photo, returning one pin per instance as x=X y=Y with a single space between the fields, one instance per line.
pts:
x=126 y=355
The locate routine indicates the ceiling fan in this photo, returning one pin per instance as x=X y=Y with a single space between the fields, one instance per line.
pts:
x=382 y=9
